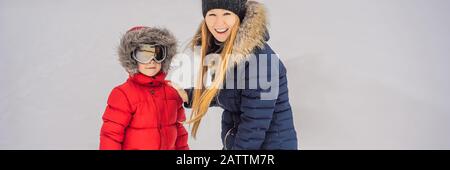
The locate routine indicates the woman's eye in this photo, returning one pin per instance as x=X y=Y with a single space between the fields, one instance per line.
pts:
x=212 y=15
x=226 y=14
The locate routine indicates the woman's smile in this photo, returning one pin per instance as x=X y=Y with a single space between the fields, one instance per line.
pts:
x=221 y=30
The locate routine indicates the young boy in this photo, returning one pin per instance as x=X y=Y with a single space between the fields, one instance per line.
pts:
x=145 y=112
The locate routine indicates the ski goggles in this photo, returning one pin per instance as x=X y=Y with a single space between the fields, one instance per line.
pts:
x=145 y=53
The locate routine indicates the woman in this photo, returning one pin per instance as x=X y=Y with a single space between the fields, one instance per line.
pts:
x=236 y=30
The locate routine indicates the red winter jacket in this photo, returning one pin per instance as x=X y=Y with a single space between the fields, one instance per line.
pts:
x=144 y=113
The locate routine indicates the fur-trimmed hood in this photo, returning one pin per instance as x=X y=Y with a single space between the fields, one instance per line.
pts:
x=145 y=35
x=252 y=33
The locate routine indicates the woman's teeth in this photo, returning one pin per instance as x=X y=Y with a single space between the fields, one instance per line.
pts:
x=222 y=30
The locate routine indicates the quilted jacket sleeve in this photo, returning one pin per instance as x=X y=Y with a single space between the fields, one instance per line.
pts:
x=116 y=118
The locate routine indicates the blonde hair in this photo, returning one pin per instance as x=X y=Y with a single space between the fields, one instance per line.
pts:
x=202 y=97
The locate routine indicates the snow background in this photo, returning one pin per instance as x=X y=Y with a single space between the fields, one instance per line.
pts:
x=363 y=74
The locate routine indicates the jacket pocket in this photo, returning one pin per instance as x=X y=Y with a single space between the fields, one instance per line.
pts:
x=229 y=139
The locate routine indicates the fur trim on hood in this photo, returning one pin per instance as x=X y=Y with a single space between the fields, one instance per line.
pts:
x=251 y=34
x=145 y=35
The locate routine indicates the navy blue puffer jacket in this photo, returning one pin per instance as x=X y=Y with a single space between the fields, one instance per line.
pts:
x=252 y=121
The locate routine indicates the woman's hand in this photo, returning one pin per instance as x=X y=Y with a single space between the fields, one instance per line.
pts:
x=181 y=92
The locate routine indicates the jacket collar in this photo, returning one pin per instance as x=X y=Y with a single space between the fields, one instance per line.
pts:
x=153 y=81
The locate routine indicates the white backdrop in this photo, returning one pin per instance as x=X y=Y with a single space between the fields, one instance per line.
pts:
x=363 y=74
